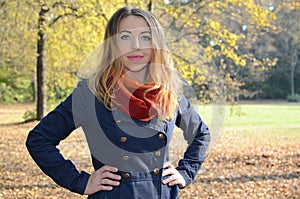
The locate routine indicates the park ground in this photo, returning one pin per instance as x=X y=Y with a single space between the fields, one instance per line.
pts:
x=256 y=155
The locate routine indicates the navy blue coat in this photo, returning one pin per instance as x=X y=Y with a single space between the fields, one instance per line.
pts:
x=138 y=149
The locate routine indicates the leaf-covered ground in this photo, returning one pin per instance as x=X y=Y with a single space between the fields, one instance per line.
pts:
x=235 y=168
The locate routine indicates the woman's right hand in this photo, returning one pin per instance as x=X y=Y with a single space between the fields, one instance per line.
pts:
x=103 y=179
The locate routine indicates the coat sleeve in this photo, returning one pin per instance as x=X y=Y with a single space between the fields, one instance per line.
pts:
x=41 y=144
x=198 y=137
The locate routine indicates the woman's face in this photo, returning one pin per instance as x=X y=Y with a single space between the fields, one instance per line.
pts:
x=135 y=43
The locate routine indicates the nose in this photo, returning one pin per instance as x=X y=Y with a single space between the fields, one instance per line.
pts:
x=136 y=44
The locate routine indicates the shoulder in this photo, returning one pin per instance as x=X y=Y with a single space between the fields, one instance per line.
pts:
x=82 y=83
x=82 y=88
x=82 y=102
x=184 y=104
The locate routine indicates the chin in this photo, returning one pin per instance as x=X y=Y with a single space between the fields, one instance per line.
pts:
x=136 y=68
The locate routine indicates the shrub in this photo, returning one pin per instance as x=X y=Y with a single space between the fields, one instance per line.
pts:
x=293 y=98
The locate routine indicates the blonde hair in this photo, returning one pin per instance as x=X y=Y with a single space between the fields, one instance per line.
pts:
x=110 y=67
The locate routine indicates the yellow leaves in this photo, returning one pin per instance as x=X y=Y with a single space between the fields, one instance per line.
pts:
x=200 y=79
x=173 y=11
x=267 y=62
x=226 y=40
x=229 y=52
x=230 y=37
x=290 y=5
x=261 y=15
x=215 y=25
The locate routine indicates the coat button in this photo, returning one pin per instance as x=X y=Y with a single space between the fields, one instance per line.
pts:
x=161 y=136
x=125 y=157
x=157 y=153
x=126 y=175
x=123 y=139
x=118 y=121
x=156 y=171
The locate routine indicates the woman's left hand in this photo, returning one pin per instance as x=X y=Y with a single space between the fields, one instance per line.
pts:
x=175 y=178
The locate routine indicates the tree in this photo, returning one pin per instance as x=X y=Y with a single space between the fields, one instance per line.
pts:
x=295 y=52
x=285 y=45
x=16 y=55
x=61 y=32
x=87 y=18
x=231 y=34
x=217 y=27
x=41 y=66
x=291 y=30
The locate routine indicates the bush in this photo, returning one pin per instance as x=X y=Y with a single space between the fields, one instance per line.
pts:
x=293 y=98
x=15 y=87
x=29 y=115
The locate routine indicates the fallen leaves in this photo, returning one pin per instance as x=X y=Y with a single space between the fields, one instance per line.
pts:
x=232 y=169
x=256 y=171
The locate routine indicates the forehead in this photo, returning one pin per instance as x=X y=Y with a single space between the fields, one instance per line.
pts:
x=132 y=23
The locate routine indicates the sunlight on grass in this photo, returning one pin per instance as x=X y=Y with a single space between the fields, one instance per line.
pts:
x=14 y=113
x=280 y=116
x=252 y=115
x=248 y=123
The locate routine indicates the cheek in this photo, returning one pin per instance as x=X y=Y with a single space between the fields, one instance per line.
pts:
x=123 y=49
x=149 y=54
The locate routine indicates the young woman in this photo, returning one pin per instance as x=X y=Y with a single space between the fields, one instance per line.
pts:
x=128 y=109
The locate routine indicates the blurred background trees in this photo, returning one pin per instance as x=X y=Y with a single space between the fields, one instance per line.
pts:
x=253 y=47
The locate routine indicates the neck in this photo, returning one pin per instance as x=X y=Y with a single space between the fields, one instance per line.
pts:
x=138 y=75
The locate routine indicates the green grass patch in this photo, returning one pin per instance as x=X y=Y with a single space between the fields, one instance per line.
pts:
x=265 y=116
x=253 y=115
x=246 y=123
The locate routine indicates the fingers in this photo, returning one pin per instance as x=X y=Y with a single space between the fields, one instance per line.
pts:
x=107 y=172
x=107 y=177
x=104 y=179
x=175 y=178
x=107 y=168
x=169 y=170
x=107 y=181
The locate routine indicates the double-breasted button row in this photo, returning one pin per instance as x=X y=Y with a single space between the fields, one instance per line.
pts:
x=125 y=157
x=126 y=175
x=156 y=171
x=118 y=121
x=123 y=139
x=161 y=136
x=157 y=153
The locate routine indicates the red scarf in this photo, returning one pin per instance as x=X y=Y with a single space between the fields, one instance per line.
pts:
x=130 y=99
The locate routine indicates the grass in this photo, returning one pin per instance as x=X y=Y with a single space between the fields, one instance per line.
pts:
x=281 y=115
x=274 y=123
x=266 y=115
x=14 y=113
x=286 y=115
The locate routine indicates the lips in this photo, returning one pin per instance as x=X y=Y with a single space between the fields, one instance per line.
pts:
x=135 y=57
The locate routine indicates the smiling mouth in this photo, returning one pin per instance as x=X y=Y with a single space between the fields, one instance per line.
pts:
x=135 y=57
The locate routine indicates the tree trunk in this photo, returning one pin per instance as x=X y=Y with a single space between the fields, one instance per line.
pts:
x=150 y=6
x=292 y=80
x=294 y=60
x=41 y=67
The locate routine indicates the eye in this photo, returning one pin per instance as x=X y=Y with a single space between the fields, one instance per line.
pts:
x=125 y=37
x=146 y=38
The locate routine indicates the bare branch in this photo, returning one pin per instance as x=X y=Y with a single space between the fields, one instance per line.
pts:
x=65 y=15
x=74 y=12
x=2 y=3
x=150 y=6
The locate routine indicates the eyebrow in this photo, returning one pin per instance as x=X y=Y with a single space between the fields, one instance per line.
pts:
x=127 y=31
